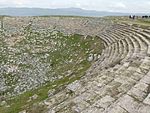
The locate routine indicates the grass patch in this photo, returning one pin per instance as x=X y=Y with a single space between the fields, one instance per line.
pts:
x=20 y=102
x=49 y=48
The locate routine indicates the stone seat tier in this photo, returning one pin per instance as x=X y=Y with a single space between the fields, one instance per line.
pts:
x=106 y=39
x=107 y=89
x=118 y=82
x=139 y=46
x=117 y=52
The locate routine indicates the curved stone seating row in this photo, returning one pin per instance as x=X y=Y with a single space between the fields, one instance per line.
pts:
x=129 y=42
x=109 y=39
x=106 y=41
x=104 y=91
x=135 y=41
x=118 y=82
x=145 y=37
x=120 y=49
x=143 y=45
x=138 y=46
x=135 y=45
x=113 y=40
x=145 y=34
x=115 y=52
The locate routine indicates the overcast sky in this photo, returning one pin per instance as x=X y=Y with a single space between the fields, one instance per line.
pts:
x=100 y=5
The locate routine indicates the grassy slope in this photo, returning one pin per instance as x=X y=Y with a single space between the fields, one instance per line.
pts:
x=20 y=102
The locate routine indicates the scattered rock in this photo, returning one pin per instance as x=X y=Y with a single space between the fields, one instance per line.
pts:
x=3 y=103
x=99 y=56
x=51 y=92
x=24 y=111
x=51 y=111
x=95 y=57
x=90 y=58
x=74 y=86
x=34 y=97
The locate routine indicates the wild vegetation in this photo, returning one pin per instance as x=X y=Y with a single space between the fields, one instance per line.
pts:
x=39 y=60
x=74 y=65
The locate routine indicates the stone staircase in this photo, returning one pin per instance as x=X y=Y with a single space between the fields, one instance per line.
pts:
x=119 y=82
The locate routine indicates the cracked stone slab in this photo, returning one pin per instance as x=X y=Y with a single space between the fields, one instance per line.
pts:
x=74 y=86
x=146 y=79
x=104 y=102
x=129 y=104
x=147 y=99
x=117 y=109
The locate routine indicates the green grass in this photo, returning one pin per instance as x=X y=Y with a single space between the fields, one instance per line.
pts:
x=19 y=103
x=58 y=58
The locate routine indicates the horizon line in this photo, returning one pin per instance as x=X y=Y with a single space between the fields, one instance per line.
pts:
x=77 y=8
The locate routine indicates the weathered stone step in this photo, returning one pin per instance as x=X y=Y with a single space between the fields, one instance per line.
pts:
x=138 y=44
x=118 y=82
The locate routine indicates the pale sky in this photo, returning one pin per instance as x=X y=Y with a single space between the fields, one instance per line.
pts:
x=130 y=6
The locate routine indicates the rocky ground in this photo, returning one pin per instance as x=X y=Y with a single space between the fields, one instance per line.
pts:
x=36 y=56
x=74 y=65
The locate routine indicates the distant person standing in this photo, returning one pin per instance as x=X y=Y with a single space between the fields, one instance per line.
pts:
x=132 y=17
